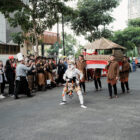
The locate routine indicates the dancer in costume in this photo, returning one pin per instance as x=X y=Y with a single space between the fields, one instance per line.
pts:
x=72 y=77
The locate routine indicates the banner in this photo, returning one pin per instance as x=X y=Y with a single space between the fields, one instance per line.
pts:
x=92 y=64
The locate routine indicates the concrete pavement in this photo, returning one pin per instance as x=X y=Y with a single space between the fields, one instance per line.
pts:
x=42 y=118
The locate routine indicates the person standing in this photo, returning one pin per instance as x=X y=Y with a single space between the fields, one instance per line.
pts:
x=61 y=71
x=31 y=74
x=65 y=63
x=97 y=81
x=2 y=80
x=40 y=75
x=10 y=75
x=112 y=75
x=21 y=74
x=81 y=66
x=124 y=75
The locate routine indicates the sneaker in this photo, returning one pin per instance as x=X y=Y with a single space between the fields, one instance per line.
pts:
x=83 y=106
x=2 y=97
x=12 y=96
x=85 y=93
x=116 y=96
x=16 y=97
x=110 y=97
x=63 y=103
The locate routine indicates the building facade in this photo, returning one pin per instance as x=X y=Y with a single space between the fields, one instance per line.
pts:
x=133 y=9
x=8 y=47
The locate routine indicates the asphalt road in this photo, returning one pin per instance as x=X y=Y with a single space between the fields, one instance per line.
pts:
x=42 y=118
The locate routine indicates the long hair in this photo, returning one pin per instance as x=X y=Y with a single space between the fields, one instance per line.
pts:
x=7 y=63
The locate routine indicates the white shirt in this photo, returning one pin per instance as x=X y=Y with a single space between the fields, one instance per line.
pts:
x=72 y=73
x=21 y=70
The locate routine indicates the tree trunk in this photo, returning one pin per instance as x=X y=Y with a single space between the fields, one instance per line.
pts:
x=36 y=38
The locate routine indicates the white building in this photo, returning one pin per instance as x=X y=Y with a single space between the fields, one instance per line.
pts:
x=7 y=47
x=133 y=9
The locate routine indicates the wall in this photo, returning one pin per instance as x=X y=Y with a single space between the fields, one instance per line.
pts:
x=133 y=9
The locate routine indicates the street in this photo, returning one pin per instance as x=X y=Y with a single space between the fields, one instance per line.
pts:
x=42 y=118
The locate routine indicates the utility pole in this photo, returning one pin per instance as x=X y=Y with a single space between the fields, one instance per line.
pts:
x=63 y=34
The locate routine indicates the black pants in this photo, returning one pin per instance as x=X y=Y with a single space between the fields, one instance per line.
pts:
x=123 y=85
x=82 y=84
x=97 y=83
x=11 y=87
x=110 y=89
x=22 y=87
x=2 y=87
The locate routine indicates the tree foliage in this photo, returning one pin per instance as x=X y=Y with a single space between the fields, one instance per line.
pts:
x=70 y=43
x=34 y=17
x=92 y=18
x=130 y=36
x=79 y=51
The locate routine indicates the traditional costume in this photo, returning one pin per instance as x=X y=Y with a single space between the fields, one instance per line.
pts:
x=71 y=77
x=97 y=81
x=124 y=75
x=81 y=66
x=112 y=76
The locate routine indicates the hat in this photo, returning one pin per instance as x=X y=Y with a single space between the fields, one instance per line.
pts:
x=71 y=62
x=20 y=57
x=11 y=57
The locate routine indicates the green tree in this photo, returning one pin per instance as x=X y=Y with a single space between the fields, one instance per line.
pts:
x=70 y=43
x=35 y=16
x=130 y=36
x=92 y=19
x=78 y=52
x=54 y=49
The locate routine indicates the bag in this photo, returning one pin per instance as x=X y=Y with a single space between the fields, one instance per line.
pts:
x=48 y=82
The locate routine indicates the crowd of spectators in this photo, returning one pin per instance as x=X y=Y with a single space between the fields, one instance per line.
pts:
x=44 y=74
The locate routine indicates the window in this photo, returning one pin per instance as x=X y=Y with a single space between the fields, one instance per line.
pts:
x=9 y=49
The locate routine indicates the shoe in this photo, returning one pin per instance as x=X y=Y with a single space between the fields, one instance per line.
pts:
x=83 y=106
x=110 y=97
x=16 y=97
x=30 y=96
x=128 y=91
x=2 y=97
x=11 y=95
x=84 y=93
x=63 y=103
x=100 y=88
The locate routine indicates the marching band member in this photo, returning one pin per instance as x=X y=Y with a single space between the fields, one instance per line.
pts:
x=124 y=75
x=71 y=77
x=81 y=66
x=112 y=75
x=40 y=74
x=97 y=76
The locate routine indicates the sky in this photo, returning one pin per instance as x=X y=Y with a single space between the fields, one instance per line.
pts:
x=120 y=15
